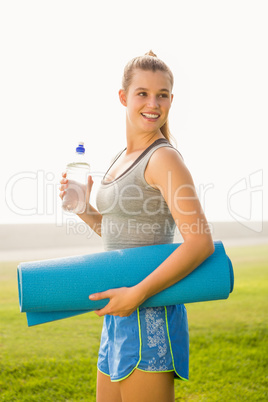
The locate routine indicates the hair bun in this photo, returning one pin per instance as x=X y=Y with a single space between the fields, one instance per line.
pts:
x=150 y=53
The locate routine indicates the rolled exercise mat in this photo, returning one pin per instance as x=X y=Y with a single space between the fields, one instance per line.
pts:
x=58 y=288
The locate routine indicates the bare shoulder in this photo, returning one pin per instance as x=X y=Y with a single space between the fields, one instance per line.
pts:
x=164 y=154
x=166 y=160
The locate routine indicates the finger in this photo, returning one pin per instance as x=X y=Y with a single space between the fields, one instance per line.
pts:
x=100 y=313
x=63 y=187
x=64 y=174
x=100 y=295
x=62 y=194
x=63 y=181
x=107 y=310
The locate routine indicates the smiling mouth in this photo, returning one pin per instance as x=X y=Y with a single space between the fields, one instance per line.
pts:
x=151 y=116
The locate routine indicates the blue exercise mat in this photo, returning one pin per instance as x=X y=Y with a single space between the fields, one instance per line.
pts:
x=53 y=289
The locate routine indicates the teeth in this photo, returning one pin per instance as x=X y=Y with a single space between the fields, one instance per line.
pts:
x=150 y=116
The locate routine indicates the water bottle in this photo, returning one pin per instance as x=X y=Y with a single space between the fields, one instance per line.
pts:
x=74 y=199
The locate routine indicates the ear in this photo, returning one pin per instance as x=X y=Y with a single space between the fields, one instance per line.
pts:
x=123 y=97
x=172 y=96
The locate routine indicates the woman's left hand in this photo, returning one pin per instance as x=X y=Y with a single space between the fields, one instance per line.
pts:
x=123 y=301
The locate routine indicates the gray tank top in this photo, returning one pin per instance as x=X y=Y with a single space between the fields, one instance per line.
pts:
x=134 y=213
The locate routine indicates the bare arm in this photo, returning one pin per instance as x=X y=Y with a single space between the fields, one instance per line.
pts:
x=91 y=216
x=176 y=186
x=167 y=172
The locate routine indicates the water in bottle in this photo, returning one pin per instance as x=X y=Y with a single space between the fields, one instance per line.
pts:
x=74 y=199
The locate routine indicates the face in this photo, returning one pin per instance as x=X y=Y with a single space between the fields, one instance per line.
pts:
x=148 y=100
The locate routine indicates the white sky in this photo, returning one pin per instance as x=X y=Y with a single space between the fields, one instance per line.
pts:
x=60 y=71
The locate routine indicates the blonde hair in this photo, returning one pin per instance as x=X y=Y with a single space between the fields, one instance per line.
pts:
x=148 y=62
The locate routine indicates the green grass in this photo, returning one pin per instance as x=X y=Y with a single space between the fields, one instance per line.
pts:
x=228 y=344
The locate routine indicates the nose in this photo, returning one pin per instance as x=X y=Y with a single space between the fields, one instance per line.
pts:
x=152 y=102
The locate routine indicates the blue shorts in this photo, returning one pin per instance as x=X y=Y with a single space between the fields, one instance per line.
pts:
x=151 y=339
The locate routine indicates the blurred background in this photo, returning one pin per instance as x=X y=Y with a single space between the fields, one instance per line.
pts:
x=61 y=70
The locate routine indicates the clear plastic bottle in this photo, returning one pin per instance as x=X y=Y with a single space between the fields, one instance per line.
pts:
x=74 y=199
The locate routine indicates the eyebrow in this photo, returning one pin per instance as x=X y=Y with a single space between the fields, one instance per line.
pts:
x=146 y=89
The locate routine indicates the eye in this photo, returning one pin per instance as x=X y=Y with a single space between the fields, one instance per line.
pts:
x=142 y=93
x=163 y=96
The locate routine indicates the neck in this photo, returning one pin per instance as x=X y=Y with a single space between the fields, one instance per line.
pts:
x=140 y=140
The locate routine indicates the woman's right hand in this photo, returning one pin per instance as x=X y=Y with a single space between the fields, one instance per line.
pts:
x=64 y=185
x=91 y=216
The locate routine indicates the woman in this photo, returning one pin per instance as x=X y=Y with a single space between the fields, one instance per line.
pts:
x=145 y=194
